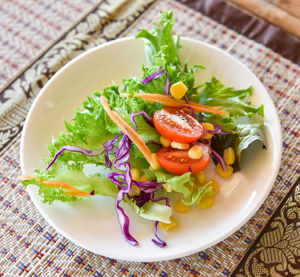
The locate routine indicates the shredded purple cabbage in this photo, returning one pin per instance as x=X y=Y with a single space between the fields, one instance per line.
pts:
x=146 y=116
x=218 y=130
x=153 y=76
x=122 y=217
x=124 y=182
x=156 y=75
x=158 y=241
x=109 y=147
x=153 y=142
x=189 y=107
x=186 y=99
x=167 y=83
x=121 y=163
x=141 y=199
x=149 y=186
x=75 y=149
x=219 y=159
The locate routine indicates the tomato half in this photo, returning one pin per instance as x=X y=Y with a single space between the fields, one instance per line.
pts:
x=178 y=162
x=177 y=125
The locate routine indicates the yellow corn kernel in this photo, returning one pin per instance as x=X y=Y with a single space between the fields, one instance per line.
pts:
x=134 y=191
x=165 y=141
x=181 y=146
x=180 y=207
x=224 y=173
x=215 y=186
x=144 y=178
x=228 y=156
x=168 y=226
x=155 y=163
x=167 y=187
x=178 y=90
x=206 y=202
x=135 y=174
x=201 y=178
x=195 y=152
x=207 y=126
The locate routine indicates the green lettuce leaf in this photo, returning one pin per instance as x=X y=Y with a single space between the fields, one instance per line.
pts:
x=178 y=183
x=242 y=116
x=151 y=210
x=199 y=193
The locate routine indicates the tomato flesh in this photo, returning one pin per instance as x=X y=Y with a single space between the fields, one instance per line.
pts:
x=177 y=125
x=178 y=162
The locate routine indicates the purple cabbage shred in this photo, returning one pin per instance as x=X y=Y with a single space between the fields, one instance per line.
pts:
x=153 y=76
x=219 y=159
x=189 y=107
x=153 y=142
x=75 y=149
x=158 y=241
x=218 y=130
x=156 y=75
x=146 y=116
x=124 y=182
x=186 y=99
x=109 y=147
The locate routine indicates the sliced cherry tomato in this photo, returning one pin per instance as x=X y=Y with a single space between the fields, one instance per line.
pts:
x=178 y=162
x=177 y=125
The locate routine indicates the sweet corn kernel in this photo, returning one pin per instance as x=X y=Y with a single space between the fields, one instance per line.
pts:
x=224 y=173
x=135 y=174
x=180 y=207
x=168 y=226
x=178 y=90
x=181 y=146
x=228 y=156
x=155 y=163
x=195 y=152
x=144 y=178
x=207 y=126
x=167 y=187
x=165 y=141
x=215 y=186
x=206 y=202
x=134 y=191
x=201 y=177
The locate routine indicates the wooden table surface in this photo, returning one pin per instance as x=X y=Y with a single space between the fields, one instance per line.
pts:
x=283 y=13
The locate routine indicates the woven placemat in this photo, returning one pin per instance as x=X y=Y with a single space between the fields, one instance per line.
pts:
x=29 y=27
x=29 y=246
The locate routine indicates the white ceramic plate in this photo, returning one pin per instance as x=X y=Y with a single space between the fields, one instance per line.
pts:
x=92 y=223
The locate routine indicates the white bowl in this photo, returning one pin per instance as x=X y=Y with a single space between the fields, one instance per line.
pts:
x=92 y=223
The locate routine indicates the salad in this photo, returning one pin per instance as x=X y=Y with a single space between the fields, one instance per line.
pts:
x=152 y=138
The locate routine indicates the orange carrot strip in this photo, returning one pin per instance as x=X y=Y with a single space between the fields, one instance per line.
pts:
x=57 y=184
x=77 y=193
x=171 y=102
x=65 y=186
x=126 y=129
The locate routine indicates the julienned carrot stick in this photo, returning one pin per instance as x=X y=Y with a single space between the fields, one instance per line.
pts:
x=126 y=129
x=77 y=193
x=64 y=186
x=171 y=102
x=57 y=184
